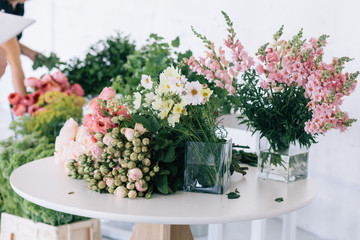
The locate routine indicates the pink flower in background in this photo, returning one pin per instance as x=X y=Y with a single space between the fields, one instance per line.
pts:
x=77 y=89
x=32 y=82
x=60 y=78
x=27 y=100
x=135 y=174
x=107 y=93
x=14 y=98
x=36 y=96
x=32 y=110
x=19 y=110
x=129 y=134
x=260 y=69
x=47 y=78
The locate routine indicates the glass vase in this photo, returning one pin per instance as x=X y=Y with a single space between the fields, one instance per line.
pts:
x=286 y=166
x=207 y=167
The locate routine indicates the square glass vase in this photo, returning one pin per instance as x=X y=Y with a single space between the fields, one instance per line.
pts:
x=207 y=167
x=286 y=166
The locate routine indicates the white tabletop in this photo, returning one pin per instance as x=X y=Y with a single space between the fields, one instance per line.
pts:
x=45 y=183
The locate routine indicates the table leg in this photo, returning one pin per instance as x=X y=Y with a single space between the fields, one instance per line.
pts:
x=161 y=232
x=289 y=226
x=215 y=231
x=258 y=229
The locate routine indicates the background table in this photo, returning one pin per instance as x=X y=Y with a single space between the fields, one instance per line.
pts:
x=46 y=184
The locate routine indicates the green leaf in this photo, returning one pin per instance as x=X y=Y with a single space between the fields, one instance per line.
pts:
x=175 y=42
x=233 y=195
x=161 y=183
x=279 y=199
x=169 y=155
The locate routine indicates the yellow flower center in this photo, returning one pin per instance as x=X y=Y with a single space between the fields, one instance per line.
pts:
x=147 y=80
x=205 y=95
x=177 y=84
x=168 y=86
x=194 y=92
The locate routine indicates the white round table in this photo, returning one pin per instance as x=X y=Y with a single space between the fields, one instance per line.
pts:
x=45 y=183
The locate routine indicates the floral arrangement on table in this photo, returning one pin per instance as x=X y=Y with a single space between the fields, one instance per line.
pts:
x=291 y=96
x=134 y=145
x=36 y=100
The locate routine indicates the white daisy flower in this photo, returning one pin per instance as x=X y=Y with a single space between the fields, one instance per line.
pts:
x=149 y=98
x=137 y=101
x=193 y=95
x=173 y=118
x=146 y=81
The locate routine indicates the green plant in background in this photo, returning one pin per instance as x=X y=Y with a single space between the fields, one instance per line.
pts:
x=104 y=60
x=152 y=58
x=58 y=107
x=13 y=154
x=50 y=62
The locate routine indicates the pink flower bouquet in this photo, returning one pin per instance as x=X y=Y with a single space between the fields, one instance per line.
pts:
x=57 y=82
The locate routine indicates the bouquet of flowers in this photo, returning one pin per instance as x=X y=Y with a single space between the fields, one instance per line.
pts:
x=30 y=103
x=291 y=96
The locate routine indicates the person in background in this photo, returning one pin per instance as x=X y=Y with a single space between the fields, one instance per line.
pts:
x=14 y=48
x=3 y=61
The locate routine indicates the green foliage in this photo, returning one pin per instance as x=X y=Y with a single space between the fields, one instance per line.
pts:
x=151 y=59
x=53 y=61
x=104 y=60
x=278 y=116
x=58 y=107
x=13 y=154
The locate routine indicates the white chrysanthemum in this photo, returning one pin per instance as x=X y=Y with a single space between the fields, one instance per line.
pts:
x=157 y=103
x=172 y=72
x=146 y=81
x=164 y=86
x=193 y=95
x=137 y=101
x=149 y=98
x=173 y=118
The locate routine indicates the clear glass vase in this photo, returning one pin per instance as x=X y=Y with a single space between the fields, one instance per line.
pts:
x=287 y=166
x=207 y=167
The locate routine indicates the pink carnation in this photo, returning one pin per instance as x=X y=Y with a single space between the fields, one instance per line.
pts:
x=140 y=187
x=77 y=89
x=32 y=82
x=107 y=139
x=107 y=93
x=19 y=110
x=129 y=134
x=14 y=98
x=96 y=151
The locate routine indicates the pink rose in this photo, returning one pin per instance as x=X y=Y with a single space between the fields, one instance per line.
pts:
x=19 y=110
x=36 y=96
x=135 y=174
x=32 y=110
x=95 y=105
x=67 y=133
x=121 y=191
x=71 y=151
x=107 y=93
x=28 y=100
x=60 y=77
x=96 y=151
x=122 y=111
x=14 y=98
x=32 y=82
x=77 y=89
x=107 y=139
x=140 y=128
x=47 y=78
x=89 y=122
x=140 y=187
x=102 y=124
x=84 y=137
x=129 y=134
x=110 y=182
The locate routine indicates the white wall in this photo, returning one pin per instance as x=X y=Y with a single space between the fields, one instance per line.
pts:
x=71 y=26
